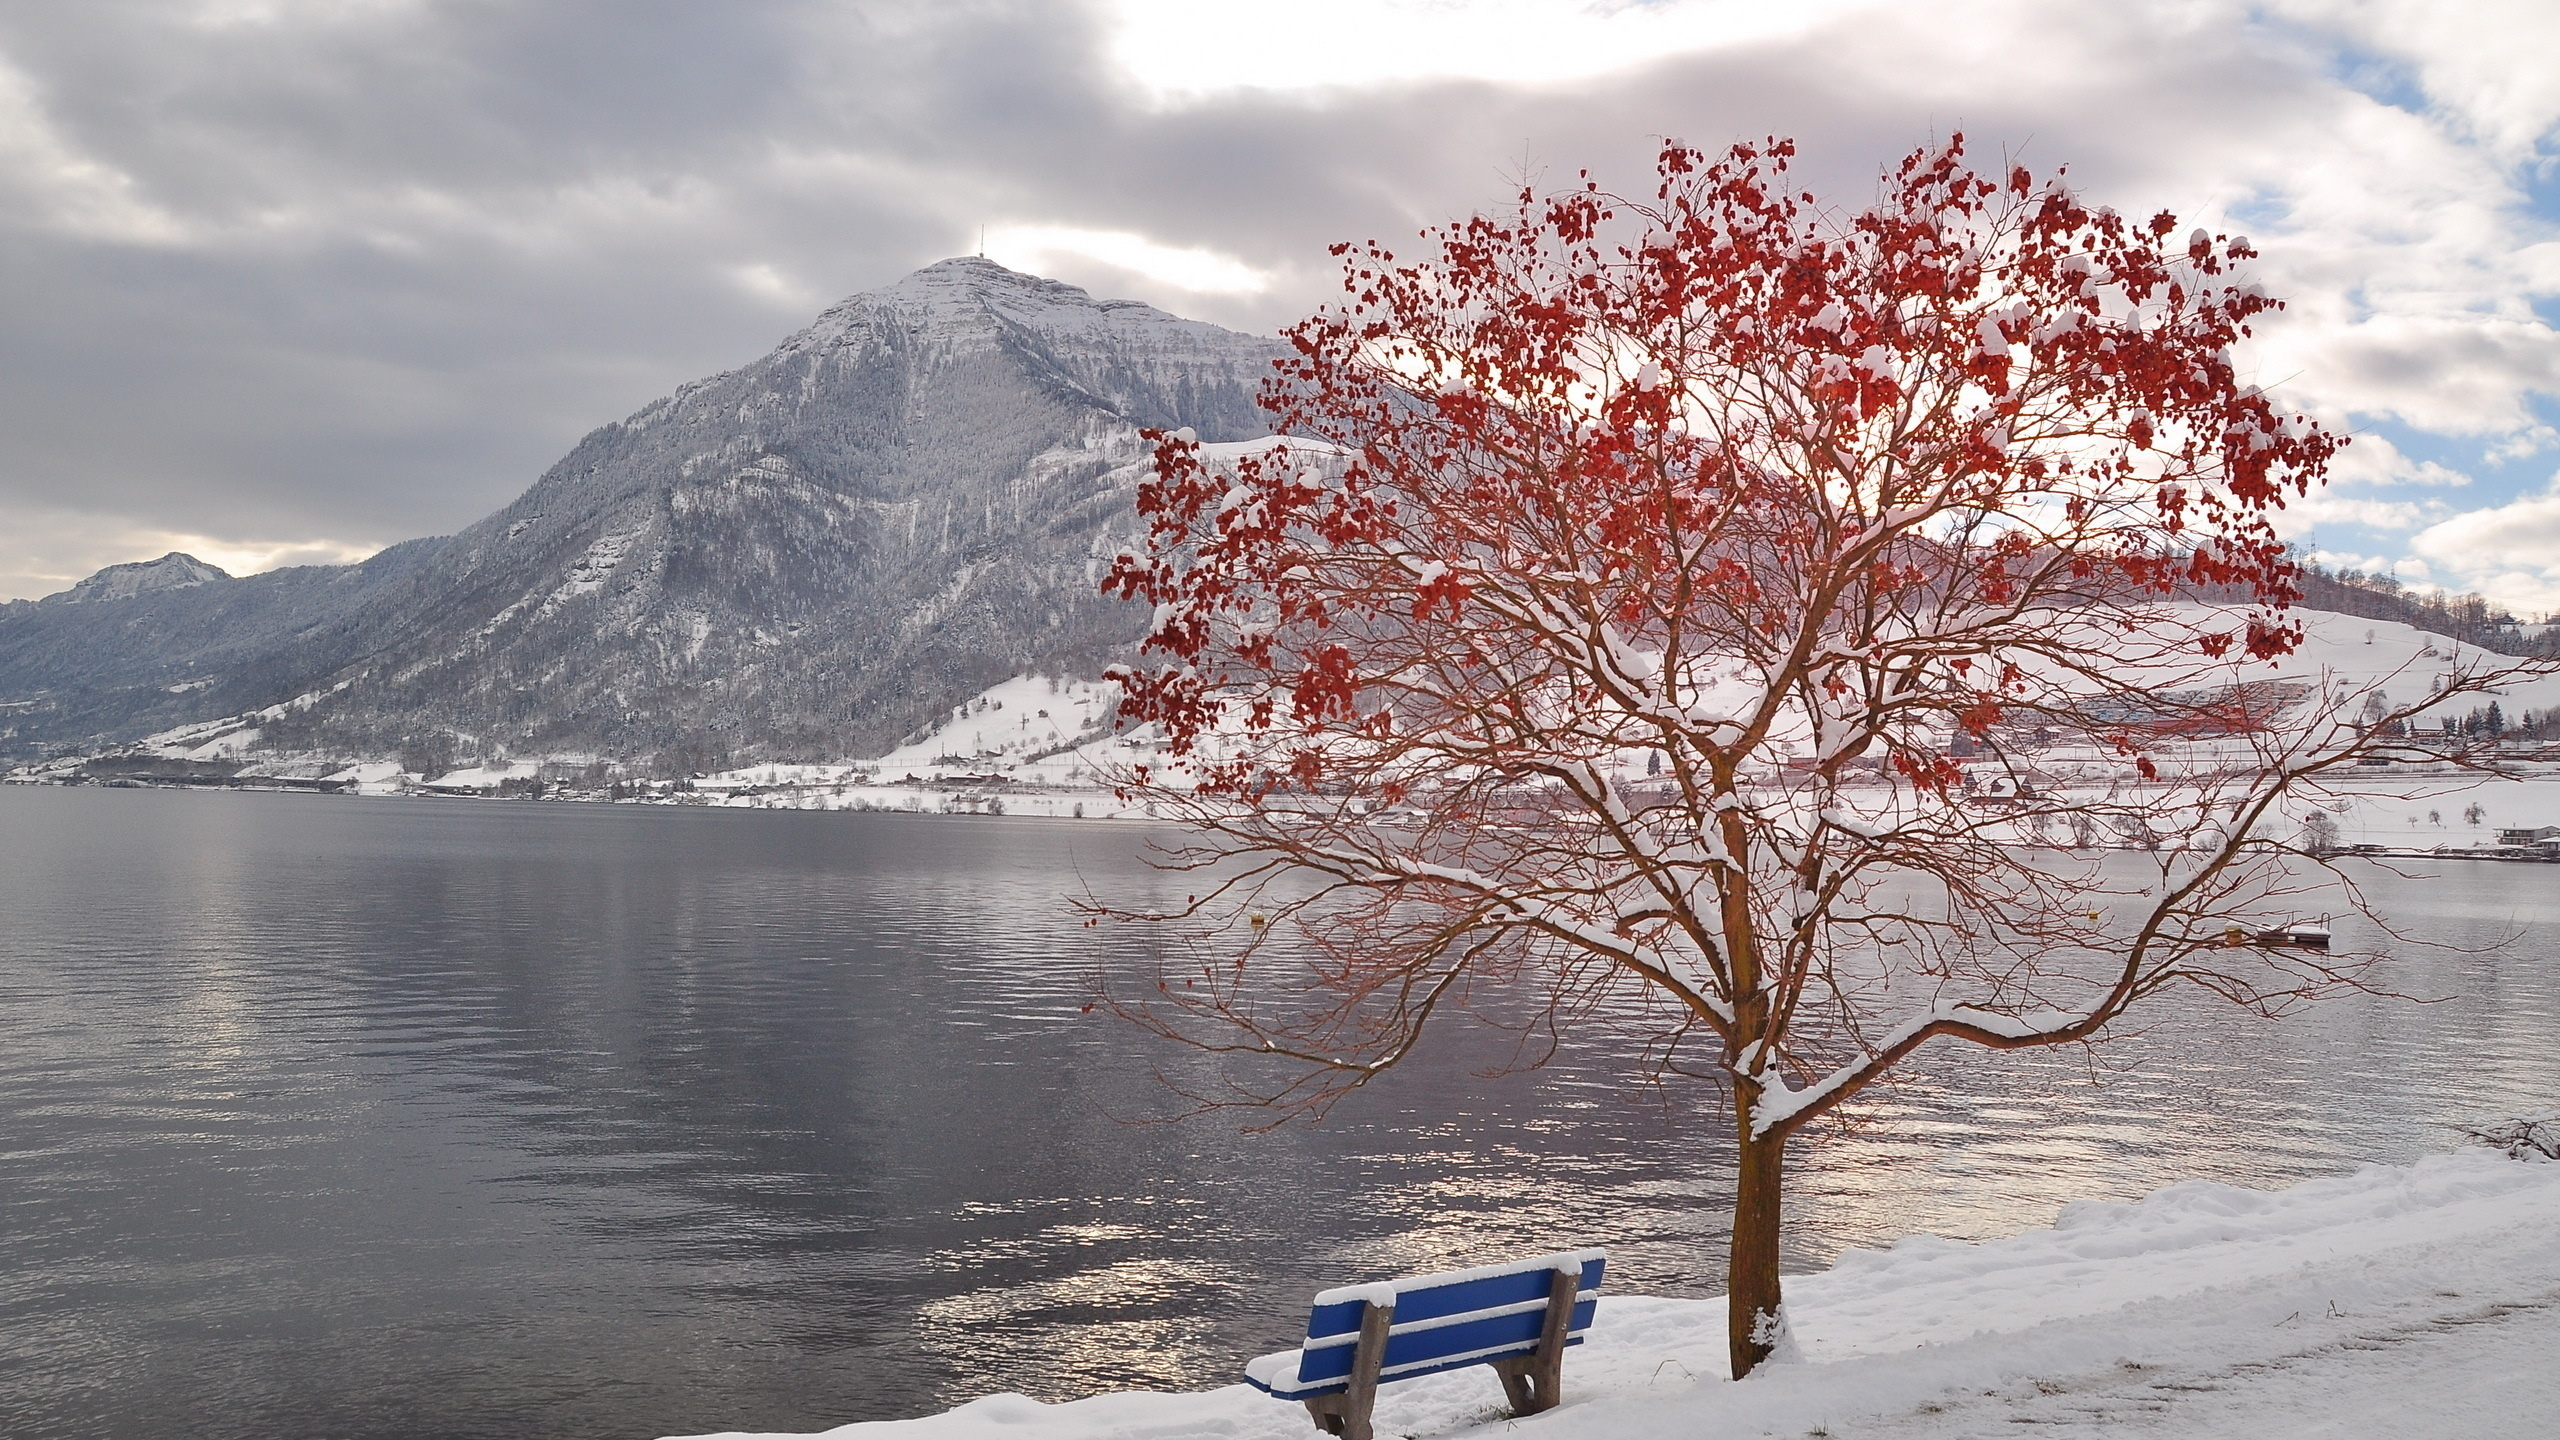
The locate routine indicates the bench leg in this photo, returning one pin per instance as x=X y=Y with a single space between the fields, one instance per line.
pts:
x=1335 y=1418
x=1347 y=1414
x=1535 y=1381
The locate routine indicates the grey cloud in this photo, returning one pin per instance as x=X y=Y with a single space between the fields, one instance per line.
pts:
x=424 y=247
x=424 y=252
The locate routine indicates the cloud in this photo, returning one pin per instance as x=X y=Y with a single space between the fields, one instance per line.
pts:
x=2349 y=560
x=333 y=268
x=2466 y=375
x=2520 y=532
x=2495 y=74
x=1179 y=50
x=73 y=193
x=2305 y=515
x=1038 y=248
x=2509 y=552
x=2373 y=462
x=766 y=282
x=49 y=550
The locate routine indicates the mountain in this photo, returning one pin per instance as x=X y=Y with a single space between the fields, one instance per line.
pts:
x=76 y=674
x=173 y=571
x=813 y=555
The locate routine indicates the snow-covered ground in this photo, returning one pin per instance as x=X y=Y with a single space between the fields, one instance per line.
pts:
x=1032 y=745
x=2408 y=663
x=374 y=777
x=488 y=776
x=2410 y=1302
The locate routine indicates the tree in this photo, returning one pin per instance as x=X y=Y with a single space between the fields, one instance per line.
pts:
x=428 y=755
x=1792 y=501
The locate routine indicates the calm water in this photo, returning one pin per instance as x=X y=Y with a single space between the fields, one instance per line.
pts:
x=328 y=1117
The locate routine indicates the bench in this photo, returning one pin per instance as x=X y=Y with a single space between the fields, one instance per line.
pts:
x=1518 y=1318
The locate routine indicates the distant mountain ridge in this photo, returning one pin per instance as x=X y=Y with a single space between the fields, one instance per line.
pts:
x=173 y=571
x=812 y=555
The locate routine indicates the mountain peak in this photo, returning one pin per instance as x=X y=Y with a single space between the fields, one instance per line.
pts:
x=174 y=571
x=975 y=278
x=970 y=295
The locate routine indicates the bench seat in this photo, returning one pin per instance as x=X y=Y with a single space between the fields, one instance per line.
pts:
x=1517 y=1316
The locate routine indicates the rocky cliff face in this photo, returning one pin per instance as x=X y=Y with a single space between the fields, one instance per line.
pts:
x=811 y=555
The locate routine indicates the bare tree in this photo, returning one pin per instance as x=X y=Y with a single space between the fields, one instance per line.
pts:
x=1639 y=570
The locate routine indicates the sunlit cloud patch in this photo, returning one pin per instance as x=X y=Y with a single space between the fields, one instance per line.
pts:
x=1038 y=248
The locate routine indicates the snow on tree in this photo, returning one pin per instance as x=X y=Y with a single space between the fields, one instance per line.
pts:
x=1791 y=501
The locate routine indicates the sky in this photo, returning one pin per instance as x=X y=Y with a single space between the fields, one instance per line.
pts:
x=285 y=281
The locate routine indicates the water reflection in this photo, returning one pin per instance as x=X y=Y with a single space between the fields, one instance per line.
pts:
x=388 y=1119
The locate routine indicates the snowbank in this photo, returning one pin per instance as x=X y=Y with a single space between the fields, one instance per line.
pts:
x=2410 y=1301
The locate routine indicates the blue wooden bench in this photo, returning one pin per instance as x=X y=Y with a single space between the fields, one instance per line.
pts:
x=1518 y=1318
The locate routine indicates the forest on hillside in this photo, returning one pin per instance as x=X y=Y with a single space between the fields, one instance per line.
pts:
x=2467 y=618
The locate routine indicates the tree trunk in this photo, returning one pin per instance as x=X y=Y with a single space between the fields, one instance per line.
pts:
x=1752 y=1319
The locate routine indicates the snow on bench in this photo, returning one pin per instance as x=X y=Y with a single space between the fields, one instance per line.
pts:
x=1517 y=1317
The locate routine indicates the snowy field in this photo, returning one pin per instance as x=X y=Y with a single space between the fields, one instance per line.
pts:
x=2411 y=1302
x=1031 y=745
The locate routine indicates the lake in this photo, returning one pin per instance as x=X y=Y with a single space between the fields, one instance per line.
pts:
x=326 y=1116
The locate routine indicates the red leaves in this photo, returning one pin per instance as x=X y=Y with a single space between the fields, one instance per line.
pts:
x=2270 y=639
x=1445 y=589
x=1306 y=769
x=1324 y=689
x=1933 y=773
x=1712 y=421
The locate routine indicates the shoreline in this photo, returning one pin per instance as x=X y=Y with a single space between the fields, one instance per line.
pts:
x=1032 y=803
x=1038 y=801
x=2420 y=1300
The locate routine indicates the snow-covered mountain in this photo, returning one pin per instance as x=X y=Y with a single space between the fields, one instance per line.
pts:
x=815 y=554
x=173 y=571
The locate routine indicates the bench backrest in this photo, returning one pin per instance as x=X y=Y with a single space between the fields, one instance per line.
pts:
x=1462 y=1317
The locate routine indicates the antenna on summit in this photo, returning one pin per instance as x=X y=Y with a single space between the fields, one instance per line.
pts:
x=982 y=242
